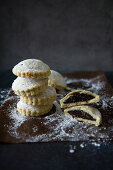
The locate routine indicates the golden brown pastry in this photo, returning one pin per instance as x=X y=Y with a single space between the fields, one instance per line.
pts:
x=87 y=114
x=79 y=97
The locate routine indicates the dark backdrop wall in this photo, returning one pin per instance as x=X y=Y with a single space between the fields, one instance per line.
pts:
x=67 y=35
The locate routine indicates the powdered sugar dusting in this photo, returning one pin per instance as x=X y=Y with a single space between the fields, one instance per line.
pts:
x=35 y=128
x=17 y=120
x=56 y=126
x=3 y=94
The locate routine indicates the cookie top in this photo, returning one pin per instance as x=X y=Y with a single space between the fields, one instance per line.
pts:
x=31 y=68
x=56 y=80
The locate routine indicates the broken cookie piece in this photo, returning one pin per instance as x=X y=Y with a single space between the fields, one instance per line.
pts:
x=86 y=114
x=79 y=97
x=56 y=80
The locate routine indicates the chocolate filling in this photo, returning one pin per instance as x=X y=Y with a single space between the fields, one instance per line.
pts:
x=80 y=114
x=78 y=97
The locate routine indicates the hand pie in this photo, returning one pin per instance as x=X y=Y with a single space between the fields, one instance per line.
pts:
x=86 y=114
x=79 y=97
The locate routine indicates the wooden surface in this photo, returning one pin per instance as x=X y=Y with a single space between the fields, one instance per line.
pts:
x=54 y=155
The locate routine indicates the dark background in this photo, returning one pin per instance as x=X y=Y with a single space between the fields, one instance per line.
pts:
x=67 y=35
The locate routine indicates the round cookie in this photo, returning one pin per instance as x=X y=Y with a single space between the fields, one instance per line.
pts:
x=56 y=80
x=29 y=86
x=28 y=110
x=45 y=98
x=32 y=68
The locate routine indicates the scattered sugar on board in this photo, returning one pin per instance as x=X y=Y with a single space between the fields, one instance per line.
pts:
x=3 y=94
x=64 y=123
x=17 y=120
x=35 y=128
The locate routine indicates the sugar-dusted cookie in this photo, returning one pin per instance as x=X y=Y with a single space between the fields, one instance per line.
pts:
x=56 y=80
x=87 y=114
x=32 y=68
x=29 y=86
x=29 y=110
x=79 y=97
x=45 y=98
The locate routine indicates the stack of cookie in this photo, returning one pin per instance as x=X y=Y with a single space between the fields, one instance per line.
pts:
x=36 y=97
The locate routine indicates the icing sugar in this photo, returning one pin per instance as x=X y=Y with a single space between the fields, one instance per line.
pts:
x=3 y=94
x=17 y=121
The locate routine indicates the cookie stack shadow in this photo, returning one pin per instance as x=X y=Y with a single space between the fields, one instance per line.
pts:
x=36 y=97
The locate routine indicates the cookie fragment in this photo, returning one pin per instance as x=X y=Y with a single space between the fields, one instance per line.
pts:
x=29 y=86
x=56 y=80
x=79 y=97
x=32 y=68
x=28 y=110
x=45 y=98
x=86 y=114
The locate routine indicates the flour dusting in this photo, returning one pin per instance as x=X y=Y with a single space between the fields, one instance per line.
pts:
x=3 y=94
x=56 y=126
x=17 y=120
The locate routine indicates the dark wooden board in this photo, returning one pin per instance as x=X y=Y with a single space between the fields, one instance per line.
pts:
x=55 y=126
